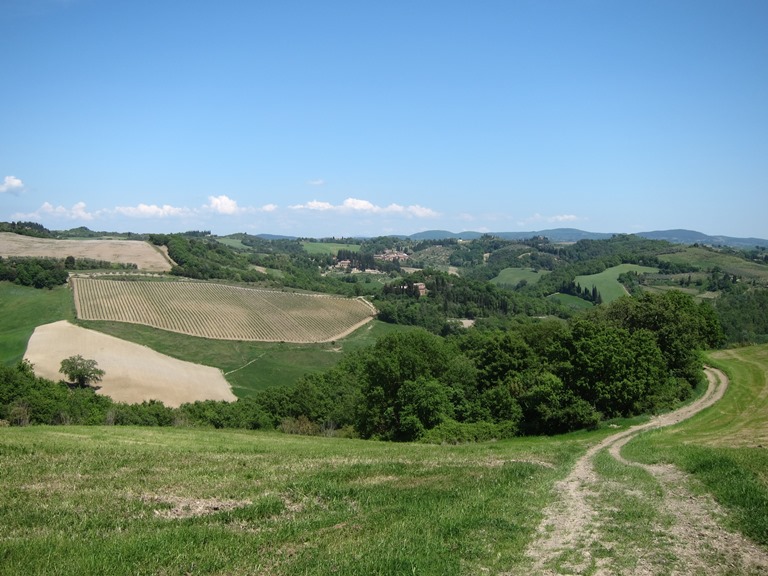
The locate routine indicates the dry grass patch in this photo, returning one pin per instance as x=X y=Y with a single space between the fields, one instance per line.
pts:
x=143 y=254
x=178 y=507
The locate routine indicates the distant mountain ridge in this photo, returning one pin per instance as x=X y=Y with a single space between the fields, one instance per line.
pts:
x=678 y=236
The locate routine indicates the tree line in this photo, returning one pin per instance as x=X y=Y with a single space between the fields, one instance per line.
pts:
x=634 y=356
x=49 y=272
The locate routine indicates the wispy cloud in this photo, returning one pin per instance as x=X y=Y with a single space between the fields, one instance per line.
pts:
x=47 y=210
x=11 y=185
x=563 y=218
x=153 y=211
x=317 y=182
x=358 y=206
x=556 y=219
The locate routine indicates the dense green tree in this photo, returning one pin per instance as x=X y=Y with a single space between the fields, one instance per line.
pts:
x=392 y=361
x=681 y=326
x=81 y=371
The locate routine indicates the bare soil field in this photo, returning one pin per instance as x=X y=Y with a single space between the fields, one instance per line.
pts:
x=144 y=255
x=134 y=373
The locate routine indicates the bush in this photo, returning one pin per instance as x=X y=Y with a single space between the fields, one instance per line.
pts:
x=452 y=432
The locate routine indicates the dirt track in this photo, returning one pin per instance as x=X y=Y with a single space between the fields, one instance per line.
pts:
x=572 y=527
x=134 y=373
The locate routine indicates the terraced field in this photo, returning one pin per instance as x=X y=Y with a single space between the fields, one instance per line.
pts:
x=221 y=312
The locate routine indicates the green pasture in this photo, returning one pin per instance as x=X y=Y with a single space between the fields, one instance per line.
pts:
x=22 y=309
x=513 y=276
x=569 y=301
x=234 y=243
x=248 y=366
x=112 y=500
x=706 y=260
x=607 y=281
x=328 y=247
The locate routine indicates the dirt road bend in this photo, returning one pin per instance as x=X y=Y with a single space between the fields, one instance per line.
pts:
x=576 y=535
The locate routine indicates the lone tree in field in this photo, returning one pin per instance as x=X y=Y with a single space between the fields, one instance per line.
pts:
x=81 y=371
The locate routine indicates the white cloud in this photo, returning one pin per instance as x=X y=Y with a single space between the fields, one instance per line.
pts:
x=313 y=205
x=222 y=205
x=422 y=212
x=356 y=205
x=316 y=182
x=153 y=211
x=563 y=218
x=12 y=185
x=76 y=212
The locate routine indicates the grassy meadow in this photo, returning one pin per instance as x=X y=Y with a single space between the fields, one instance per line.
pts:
x=573 y=302
x=328 y=247
x=513 y=276
x=180 y=501
x=22 y=309
x=248 y=366
x=607 y=281
x=707 y=259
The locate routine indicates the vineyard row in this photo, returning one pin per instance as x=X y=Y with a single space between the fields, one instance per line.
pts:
x=219 y=311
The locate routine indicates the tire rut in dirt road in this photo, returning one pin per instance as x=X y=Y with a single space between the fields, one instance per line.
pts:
x=572 y=526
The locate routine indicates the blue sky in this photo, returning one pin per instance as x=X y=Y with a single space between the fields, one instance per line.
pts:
x=367 y=118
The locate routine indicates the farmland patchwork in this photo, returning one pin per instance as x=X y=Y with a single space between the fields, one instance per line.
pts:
x=220 y=311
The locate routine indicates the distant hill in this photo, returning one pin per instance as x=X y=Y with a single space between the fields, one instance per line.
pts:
x=693 y=237
x=574 y=235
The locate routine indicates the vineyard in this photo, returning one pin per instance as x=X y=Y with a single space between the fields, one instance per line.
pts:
x=220 y=311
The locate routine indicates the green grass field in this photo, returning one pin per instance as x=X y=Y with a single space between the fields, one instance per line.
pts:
x=181 y=501
x=328 y=247
x=512 y=276
x=22 y=309
x=607 y=281
x=709 y=259
x=570 y=301
x=234 y=243
x=248 y=366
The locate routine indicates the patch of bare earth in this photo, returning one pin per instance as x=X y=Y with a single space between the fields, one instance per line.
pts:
x=143 y=254
x=572 y=527
x=177 y=507
x=134 y=373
